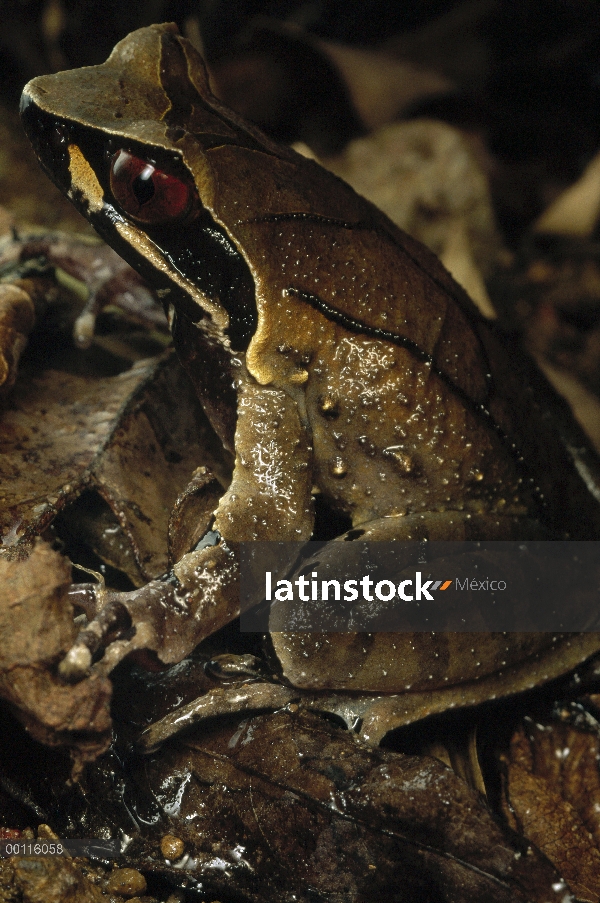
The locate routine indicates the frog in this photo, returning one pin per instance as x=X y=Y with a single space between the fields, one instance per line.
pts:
x=334 y=357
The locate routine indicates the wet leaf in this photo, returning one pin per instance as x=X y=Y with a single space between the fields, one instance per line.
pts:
x=552 y=797
x=289 y=807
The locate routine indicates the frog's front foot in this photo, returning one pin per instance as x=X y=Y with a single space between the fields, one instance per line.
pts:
x=167 y=617
x=124 y=622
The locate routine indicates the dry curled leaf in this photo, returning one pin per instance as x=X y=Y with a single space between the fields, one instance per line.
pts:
x=36 y=629
x=555 y=299
x=121 y=436
x=301 y=88
x=384 y=88
x=17 y=317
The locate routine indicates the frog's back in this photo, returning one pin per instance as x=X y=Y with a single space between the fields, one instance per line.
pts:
x=452 y=417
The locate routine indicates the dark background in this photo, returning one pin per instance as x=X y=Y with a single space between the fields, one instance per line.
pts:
x=527 y=74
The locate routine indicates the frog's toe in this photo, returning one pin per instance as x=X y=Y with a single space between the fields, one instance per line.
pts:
x=156 y=617
x=112 y=623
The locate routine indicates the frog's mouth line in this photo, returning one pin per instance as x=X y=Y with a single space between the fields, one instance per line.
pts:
x=210 y=278
x=136 y=237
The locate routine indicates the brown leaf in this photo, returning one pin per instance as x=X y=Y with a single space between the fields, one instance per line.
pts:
x=287 y=803
x=552 y=796
x=50 y=436
x=584 y=404
x=382 y=87
x=16 y=322
x=36 y=629
x=552 y=296
x=298 y=87
x=32 y=608
x=191 y=513
x=157 y=444
x=279 y=77
x=123 y=436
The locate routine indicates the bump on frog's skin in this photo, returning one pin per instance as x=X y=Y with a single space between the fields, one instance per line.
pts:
x=328 y=349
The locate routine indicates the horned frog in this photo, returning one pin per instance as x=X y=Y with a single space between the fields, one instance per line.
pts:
x=333 y=355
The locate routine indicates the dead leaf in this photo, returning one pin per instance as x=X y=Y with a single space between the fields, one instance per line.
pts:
x=383 y=87
x=16 y=322
x=122 y=436
x=278 y=77
x=552 y=296
x=274 y=805
x=552 y=797
x=36 y=629
x=576 y=210
x=154 y=451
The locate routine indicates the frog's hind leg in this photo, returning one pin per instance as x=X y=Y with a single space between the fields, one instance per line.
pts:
x=438 y=526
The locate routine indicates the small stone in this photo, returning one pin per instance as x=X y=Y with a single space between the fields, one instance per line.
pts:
x=45 y=832
x=126 y=882
x=172 y=847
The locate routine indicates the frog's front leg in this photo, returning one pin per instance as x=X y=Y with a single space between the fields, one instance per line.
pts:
x=269 y=499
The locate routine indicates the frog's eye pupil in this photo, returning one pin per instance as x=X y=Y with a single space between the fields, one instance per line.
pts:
x=149 y=194
x=143 y=186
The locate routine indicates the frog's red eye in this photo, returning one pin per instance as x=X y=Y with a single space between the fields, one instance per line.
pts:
x=149 y=194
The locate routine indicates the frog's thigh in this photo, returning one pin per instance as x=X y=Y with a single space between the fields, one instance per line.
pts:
x=563 y=653
x=409 y=663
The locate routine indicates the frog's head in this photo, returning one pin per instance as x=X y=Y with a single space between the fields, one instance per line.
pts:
x=127 y=141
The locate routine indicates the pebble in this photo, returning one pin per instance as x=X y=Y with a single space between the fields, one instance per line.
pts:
x=172 y=847
x=126 y=882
